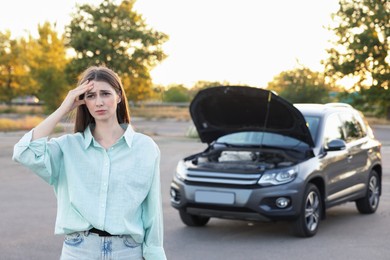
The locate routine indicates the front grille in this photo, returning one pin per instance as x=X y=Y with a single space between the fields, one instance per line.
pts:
x=226 y=178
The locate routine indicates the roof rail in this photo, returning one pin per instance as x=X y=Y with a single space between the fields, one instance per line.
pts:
x=335 y=104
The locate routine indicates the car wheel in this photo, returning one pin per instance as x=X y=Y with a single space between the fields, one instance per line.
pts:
x=370 y=202
x=193 y=220
x=307 y=224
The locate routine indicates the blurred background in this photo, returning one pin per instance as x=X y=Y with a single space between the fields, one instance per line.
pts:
x=166 y=51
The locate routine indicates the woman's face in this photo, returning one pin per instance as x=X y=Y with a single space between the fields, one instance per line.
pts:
x=102 y=101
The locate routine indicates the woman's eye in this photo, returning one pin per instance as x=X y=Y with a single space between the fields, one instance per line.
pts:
x=106 y=94
x=89 y=96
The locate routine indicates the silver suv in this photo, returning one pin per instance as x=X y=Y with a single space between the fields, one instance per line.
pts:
x=270 y=160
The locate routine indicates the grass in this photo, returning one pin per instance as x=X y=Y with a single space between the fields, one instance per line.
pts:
x=21 y=110
x=156 y=112
x=17 y=118
x=24 y=123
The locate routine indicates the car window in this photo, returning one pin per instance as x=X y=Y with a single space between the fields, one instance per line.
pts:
x=353 y=128
x=312 y=123
x=333 y=129
x=366 y=127
x=260 y=138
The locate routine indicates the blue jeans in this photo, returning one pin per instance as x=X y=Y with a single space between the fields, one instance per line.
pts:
x=88 y=246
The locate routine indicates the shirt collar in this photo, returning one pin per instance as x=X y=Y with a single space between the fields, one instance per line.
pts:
x=87 y=137
x=128 y=135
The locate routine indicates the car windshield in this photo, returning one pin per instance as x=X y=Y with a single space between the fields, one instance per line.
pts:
x=312 y=123
x=251 y=138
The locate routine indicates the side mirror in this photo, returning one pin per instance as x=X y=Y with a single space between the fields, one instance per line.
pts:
x=335 y=145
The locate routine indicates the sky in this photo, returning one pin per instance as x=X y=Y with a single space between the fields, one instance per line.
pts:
x=241 y=42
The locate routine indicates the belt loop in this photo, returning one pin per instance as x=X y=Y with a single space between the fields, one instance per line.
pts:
x=86 y=233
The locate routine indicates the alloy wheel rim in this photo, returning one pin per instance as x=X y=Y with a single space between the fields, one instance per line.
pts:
x=373 y=192
x=312 y=211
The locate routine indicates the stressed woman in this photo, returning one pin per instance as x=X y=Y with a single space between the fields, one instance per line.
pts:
x=105 y=175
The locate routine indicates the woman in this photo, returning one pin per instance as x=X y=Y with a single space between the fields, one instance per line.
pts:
x=105 y=175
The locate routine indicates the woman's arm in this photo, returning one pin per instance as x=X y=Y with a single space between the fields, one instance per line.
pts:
x=152 y=217
x=46 y=127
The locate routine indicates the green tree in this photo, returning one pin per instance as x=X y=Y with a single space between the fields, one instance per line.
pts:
x=202 y=84
x=14 y=73
x=176 y=93
x=301 y=85
x=47 y=61
x=116 y=36
x=361 y=49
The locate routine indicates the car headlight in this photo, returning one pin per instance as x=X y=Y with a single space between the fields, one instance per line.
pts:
x=181 y=171
x=278 y=176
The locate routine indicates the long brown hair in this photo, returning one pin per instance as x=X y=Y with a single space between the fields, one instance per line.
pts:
x=83 y=117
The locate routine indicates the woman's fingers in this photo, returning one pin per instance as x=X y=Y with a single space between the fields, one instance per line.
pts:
x=72 y=100
x=88 y=85
x=75 y=93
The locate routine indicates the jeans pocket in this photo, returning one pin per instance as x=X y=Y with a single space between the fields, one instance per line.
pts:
x=129 y=242
x=74 y=239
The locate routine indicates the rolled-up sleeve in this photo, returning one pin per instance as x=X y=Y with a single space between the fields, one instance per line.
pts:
x=39 y=156
x=153 y=218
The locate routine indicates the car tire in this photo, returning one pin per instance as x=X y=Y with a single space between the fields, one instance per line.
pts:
x=307 y=224
x=193 y=220
x=370 y=202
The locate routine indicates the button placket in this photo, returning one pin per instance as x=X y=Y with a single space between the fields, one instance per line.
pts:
x=105 y=173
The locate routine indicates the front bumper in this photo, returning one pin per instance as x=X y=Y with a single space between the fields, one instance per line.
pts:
x=251 y=203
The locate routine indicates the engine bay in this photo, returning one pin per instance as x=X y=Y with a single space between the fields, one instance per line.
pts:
x=243 y=160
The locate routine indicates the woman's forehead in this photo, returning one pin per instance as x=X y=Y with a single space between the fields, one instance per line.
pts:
x=101 y=85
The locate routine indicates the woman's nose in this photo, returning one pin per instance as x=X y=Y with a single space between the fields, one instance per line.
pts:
x=99 y=100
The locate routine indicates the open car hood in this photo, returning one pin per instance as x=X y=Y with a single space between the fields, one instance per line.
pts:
x=218 y=111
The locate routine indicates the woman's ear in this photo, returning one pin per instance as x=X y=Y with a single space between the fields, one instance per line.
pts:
x=119 y=97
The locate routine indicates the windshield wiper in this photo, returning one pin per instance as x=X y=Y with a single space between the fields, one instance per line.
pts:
x=243 y=145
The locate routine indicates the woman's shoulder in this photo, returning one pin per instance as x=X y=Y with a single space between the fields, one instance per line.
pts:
x=144 y=140
x=141 y=137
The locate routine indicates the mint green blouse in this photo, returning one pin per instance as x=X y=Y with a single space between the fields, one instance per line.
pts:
x=116 y=189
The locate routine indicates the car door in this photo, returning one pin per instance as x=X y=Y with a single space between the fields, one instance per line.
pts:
x=335 y=166
x=357 y=150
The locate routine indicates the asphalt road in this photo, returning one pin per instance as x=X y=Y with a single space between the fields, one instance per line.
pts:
x=28 y=209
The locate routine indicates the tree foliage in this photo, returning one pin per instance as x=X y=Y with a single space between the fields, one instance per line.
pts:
x=47 y=62
x=176 y=93
x=361 y=48
x=301 y=85
x=116 y=36
x=14 y=73
x=202 y=84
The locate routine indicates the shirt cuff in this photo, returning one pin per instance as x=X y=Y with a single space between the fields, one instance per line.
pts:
x=25 y=143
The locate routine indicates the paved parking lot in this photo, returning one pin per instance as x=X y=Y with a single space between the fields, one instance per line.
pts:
x=27 y=215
